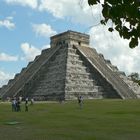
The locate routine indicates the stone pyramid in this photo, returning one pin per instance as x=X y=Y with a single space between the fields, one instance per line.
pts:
x=68 y=69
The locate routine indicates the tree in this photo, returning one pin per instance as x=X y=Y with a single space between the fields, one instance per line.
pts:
x=125 y=15
x=135 y=77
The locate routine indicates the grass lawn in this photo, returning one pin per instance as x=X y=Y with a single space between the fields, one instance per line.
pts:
x=97 y=120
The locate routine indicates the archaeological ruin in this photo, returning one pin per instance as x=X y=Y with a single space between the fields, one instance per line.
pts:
x=69 y=68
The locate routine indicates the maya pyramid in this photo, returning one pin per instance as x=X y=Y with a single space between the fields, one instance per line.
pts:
x=69 y=68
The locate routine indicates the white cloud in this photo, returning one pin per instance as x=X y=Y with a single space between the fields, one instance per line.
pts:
x=30 y=3
x=45 y=47
x=9 y=18
x=4 y=77
x=7 y=23
x=43 y=29
x=29 y=51
x=116 y=49
x=6 y=57
x=72 y=10
x=54 y=7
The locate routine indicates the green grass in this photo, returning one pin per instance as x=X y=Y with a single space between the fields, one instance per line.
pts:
x=97 y=120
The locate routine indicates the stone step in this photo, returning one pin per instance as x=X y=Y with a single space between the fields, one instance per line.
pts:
x=56 y=67
x=53 y=84
x=113 y=68
x=36 y=57
x=51 y=73
x=85 y=95
x=75 y=62
x=48 y=92
x=57 y=70
x=29 y=64
x=50 y=76
x=68 y=80
x=74 y=75
x=50 y=96
x=73 y=56
x=57 y=62
x=83 y=88
x=71 y=67
x=45 y=51
x=61 y=56
x=11 y=81
x=71 y=49
x=77 y=70
x=81 y=83
x=42 y=90
x=47 y=81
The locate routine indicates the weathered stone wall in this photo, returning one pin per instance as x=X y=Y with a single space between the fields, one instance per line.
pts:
x=81 y=79
x=70 y=37
x=23 y=81
x=111 y=77
x=52 y=82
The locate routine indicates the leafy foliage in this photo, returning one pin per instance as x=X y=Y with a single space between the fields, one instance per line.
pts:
x=125 y=14
x=135 y=77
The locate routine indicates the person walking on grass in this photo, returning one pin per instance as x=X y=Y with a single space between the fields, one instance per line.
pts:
x=18 y=105
x=32 y=101
x=80 y=101
x=26 y=106
x=13 y=105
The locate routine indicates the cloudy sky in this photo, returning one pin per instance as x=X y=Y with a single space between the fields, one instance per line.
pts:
x=26 y=27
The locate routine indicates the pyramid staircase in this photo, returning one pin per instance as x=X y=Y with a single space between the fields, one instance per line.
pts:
x=113 y=78
x=66 y=70
x=23 y=82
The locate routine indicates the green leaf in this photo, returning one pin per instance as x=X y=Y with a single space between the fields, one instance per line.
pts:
x=126 y=34
x=133 y=43
x=110 y=29
x=92 y=2
x=105 y=10
x=102 y=22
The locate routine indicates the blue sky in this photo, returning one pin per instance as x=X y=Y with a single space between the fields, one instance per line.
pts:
x=26 y=27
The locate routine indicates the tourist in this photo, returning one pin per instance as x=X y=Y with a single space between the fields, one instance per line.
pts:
x=61 y=100
x=26 y=100
x=18 y=105
x=13 y=104
x=32 y=101
x=80 y=101
x=26 y=106
x=20 y=99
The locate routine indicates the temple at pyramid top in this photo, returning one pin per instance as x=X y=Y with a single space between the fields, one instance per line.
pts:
x=70 y=37
x=68 y=69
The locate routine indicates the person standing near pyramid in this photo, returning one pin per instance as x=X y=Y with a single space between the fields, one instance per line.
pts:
x=26 y=105
x=80 y=101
